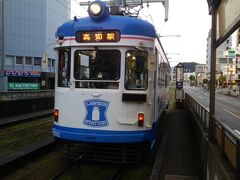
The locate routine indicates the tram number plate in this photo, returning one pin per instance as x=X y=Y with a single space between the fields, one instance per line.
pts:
x=56 y=133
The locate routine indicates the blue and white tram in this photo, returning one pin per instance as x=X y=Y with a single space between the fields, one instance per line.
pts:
x=111 y=81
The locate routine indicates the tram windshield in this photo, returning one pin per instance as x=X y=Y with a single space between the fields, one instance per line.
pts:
x=64 y=67
x=97 y=69
x=136 y=70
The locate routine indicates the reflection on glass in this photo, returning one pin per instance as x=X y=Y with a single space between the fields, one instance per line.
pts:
x=136 y=70
x=63 y=67
x=90 y=67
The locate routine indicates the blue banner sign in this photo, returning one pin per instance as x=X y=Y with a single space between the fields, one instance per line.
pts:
x=20 y=73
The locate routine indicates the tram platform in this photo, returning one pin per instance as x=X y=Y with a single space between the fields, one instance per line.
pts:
x=176 y=158
x=21 y=117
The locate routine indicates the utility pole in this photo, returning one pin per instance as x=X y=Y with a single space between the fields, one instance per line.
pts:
x=213 y=76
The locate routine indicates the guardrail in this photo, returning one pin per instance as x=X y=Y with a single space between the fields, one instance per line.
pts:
x=226 y=138
x=18 y=95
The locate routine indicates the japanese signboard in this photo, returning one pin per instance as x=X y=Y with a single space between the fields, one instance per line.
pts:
x=179 y=76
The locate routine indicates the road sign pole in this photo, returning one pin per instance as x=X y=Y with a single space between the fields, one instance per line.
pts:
x=179 y=93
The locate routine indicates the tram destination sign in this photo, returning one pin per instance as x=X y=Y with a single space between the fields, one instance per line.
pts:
x=97 y=36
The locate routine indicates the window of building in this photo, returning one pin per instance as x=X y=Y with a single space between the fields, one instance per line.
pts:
x=28 y=60
x=19 y=60
x=136 y=72
x=53 y=62
x=9 y=60
x=49 y=62
x=37 y=61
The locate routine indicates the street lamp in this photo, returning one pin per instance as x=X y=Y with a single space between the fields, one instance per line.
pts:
x=230 y=70
x=45 y=56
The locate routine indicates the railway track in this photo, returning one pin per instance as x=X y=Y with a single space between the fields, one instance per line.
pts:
x=34 y=157
x=114 y=174
x=24 y=132
x=20 y=139
x=55 y=177
x=56 y=166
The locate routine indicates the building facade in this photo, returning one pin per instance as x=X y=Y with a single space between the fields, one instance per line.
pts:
x=227 y=60
x=27 y=32
x=200 y=72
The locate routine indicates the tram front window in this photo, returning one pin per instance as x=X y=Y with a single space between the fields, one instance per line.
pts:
x=64 y=67
x=136 y=70
x=97 y=69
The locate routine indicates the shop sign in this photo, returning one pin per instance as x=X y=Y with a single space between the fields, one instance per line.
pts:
x=23 y=86
x=22 y=73
x=231 y=54
x=1 y=73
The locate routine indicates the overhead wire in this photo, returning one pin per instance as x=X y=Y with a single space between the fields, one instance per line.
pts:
x=153 y=22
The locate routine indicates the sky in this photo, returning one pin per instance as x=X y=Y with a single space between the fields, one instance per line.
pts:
x=187 y=18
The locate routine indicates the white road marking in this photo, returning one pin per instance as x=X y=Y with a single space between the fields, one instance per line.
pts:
x=237 y=102
x=231 y=113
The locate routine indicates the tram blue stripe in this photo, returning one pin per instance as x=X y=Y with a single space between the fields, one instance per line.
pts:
x=86 y=135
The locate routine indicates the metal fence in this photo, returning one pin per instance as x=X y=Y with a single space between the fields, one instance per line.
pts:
x=226 y=138
x=18 y=95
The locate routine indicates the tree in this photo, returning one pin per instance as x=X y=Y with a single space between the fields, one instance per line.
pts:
x=192 y=78
x=222 y=79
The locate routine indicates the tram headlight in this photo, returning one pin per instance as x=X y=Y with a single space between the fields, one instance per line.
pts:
x=98 y=10
x=95 y=8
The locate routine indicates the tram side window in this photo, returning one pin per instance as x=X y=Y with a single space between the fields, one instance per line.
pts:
x=64 y=67
x=136 y=73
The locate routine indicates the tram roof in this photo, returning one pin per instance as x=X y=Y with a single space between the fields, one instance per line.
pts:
x=126 y=26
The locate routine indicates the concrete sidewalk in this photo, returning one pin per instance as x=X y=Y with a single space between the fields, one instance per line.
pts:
x=177 y=158
x=179 y=155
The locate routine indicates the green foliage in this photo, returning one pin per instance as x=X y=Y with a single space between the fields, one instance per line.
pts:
x=192 y=78
x=222 y=78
